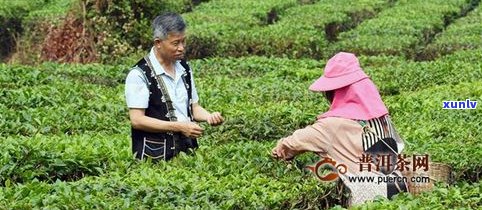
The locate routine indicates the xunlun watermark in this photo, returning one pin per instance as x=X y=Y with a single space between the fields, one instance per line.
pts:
x=467 y=104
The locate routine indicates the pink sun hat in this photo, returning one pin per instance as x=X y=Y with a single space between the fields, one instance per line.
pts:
x=342 y=70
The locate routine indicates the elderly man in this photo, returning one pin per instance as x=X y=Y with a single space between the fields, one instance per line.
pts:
x=162 y=97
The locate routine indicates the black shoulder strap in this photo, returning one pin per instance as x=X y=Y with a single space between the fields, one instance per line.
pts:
x=185 y=65
x=188 y=83
x=187 y=78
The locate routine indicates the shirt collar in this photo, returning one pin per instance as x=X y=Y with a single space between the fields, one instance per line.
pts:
x=158 y=70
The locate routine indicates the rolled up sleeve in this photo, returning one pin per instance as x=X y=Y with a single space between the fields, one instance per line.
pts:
x=314 y=138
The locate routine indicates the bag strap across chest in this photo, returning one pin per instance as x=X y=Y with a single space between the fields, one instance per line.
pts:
x=165 y=94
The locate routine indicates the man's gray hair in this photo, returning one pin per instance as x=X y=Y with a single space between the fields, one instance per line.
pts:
x=167 y=23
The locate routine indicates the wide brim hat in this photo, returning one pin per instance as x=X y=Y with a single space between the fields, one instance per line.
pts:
x=341 y=70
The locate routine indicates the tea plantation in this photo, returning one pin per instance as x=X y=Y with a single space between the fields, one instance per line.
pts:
x=65 y=132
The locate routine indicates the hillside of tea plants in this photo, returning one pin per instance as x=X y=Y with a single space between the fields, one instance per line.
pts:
x=65 y=132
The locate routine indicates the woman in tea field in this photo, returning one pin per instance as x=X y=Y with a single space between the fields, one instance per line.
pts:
x=355 y=135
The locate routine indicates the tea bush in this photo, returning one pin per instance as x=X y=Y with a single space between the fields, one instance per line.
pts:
x=404 y=29
x=65 y=128
x=464 y=33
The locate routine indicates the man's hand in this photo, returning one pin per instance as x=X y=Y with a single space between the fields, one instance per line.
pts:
x=190 y=129
x=215 y=119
